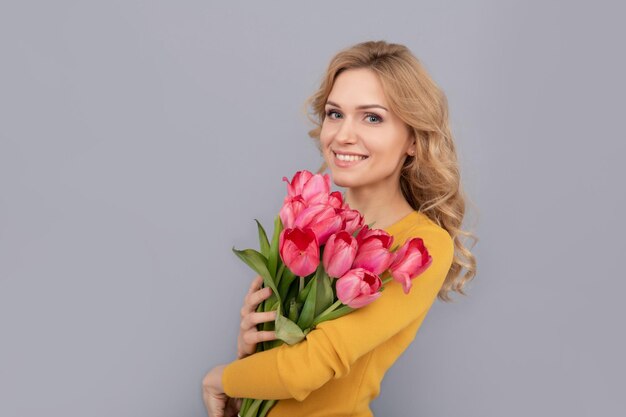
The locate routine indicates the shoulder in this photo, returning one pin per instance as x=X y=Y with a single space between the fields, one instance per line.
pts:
x=420 y=225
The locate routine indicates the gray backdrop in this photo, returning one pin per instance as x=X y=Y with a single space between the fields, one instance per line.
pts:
x=139 y=140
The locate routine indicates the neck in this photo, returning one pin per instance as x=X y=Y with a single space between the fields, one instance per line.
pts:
x=383 y=206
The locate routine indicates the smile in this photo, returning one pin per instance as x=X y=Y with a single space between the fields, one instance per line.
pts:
x=349 y=158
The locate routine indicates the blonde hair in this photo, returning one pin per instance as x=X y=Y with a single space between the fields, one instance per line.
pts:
x=430 y=181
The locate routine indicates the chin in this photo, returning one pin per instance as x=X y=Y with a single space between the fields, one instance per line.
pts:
x=343 y=180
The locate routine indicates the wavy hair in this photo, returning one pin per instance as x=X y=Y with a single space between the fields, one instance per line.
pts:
x=430 y=181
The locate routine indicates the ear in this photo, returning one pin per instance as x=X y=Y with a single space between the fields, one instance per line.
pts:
x=413 y=145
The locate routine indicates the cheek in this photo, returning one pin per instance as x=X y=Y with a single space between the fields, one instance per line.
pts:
x=388 y=147
x=325 y=135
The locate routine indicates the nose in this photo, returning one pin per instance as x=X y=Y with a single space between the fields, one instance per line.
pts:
x=346 y=132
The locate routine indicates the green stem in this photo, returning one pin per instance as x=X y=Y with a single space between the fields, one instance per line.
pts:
x=254 y=408
x=301 y=287
x=245 y=406
x=386 y=280
x=265 y=407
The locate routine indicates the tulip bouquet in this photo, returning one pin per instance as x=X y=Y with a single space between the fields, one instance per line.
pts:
x=322 y=263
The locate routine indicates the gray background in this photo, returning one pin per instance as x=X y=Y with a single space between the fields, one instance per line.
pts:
x=139 y=139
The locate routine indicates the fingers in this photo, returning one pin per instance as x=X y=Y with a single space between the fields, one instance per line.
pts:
x=256 y=284
x=233 y=405
x=253 y=299
x=252 y=338
x=249 y=334
x=252 y=319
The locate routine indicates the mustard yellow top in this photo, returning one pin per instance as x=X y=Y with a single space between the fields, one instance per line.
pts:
x=337 y=369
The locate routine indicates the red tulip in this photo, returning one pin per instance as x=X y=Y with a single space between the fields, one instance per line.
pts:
x=410 y=261
x=292 y=207
x=322 y=218
x=358 y=288
x=299 y=251
x=373 y=253
x=339 y=254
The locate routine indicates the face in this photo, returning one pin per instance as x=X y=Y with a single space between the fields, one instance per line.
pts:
x=363 y=142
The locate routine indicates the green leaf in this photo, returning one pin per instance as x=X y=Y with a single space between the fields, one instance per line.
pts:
x=257 y=262
x=341 y=311
x=268 y=326
x=271 y=303
x=285 y=283
x=263 y=242
x=273 y=255
x=308 y=310
x=279 y=273
x=277 y=342
x=302 y=295
x=293 y=310
x=275 y=305
x=325 y=296
x=287 y=330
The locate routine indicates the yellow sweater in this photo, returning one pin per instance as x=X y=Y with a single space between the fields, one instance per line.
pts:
x=338 y=368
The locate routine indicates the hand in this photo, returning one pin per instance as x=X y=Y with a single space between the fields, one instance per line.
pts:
x=233 y=405
x=217 y=403
x=249 y=336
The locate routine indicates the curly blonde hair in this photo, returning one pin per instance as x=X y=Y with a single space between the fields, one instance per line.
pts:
x=430 y=181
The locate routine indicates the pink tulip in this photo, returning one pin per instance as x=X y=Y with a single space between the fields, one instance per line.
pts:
x=322 y=218
x=373 y=253
x=410 y=261
x=358 y=288
x=292 y=207
x=335 y=199
x=352 y=220
x=299 y=251
x=298 y=181
x=339 y=254
x=365 y=233
x=314 y=189
x=317 y=189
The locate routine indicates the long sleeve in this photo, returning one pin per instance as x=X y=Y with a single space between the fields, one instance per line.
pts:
x=333 y=346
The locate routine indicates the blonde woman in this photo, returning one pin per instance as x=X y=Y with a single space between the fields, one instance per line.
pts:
x=382 y=129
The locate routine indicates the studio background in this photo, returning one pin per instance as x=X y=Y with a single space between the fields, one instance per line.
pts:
x=139 y=140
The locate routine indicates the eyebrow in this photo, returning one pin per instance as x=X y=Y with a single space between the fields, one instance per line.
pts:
x=364 y=106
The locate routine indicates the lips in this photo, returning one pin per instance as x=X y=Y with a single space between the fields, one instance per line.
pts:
x=349 y=156
x=345 y=160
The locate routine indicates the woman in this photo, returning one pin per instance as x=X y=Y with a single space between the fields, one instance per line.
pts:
x=382 y=128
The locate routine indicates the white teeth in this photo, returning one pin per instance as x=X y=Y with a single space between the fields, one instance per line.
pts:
x=349 y=157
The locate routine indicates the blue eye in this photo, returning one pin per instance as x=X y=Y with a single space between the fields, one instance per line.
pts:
x=329 y=113
x=377 y=118
x=372 y=118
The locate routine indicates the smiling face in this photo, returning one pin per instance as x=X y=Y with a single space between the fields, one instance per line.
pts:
x=362 y=141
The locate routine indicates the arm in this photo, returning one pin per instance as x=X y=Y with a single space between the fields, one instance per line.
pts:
x=333 y=346
x=216 y=402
